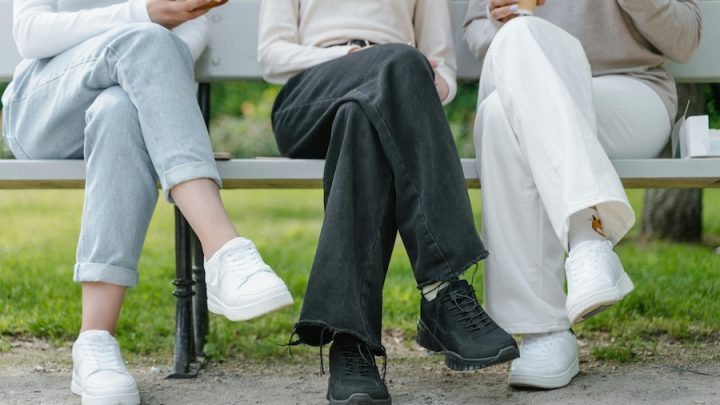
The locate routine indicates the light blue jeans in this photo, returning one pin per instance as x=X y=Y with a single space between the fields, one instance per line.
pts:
x=125 y=102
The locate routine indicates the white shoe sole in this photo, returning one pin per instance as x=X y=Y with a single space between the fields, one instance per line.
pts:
x=598 y=301
x=121 y=399
x=267 y=301
x=544 y=381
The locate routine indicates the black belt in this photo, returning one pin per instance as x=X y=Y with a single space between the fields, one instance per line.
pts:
x=362 y=43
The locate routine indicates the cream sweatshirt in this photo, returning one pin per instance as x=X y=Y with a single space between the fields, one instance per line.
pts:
x=620 y=37
x=296 y=34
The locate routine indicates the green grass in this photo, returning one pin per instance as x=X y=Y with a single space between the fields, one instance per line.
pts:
x=677 y=294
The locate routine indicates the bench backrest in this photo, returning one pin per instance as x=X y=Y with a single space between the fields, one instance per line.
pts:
x=233 y=29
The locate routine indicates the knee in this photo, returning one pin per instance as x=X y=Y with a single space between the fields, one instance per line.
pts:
x=147 y=32
x=520 y=32
x=351 y=120
x=152 y=38
x=111 y=102
x=490 y=122
x=491 y=108
x=350 y=109
x=402 y=53
x=405 y=61
x=522 y=27
x=111 y=111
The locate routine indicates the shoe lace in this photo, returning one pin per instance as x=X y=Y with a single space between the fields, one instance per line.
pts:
x=591 y=258
x=242 y=263
x=361 y=361
x=244 y=257
x=356 y=362
x=102 y=356
x=467 y=309
x=541 y=344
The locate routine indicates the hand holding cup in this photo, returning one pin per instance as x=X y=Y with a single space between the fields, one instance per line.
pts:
x=505 y=10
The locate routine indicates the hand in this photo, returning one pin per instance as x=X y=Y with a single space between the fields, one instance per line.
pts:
x=440 y=84
x=357 y=48
x=170 y=13
x=506 y=10
x=211 y=4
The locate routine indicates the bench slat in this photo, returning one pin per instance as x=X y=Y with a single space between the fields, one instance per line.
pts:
x=296 y=173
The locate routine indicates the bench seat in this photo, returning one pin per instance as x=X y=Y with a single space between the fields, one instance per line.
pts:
x=294 y=173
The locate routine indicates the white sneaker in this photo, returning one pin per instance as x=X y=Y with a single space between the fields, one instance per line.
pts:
x=240 y=285
x=548 y=360
x=595 y=279
x=99 y=373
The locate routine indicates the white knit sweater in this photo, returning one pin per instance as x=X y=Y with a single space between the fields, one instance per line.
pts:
x=45 y=28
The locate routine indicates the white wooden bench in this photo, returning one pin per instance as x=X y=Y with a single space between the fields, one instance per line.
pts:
x=232 y=57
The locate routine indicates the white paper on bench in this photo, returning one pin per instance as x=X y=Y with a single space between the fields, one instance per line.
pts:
x=697 y=140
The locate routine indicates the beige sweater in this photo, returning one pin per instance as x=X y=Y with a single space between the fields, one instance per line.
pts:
x=296 y=34
x=620 y=37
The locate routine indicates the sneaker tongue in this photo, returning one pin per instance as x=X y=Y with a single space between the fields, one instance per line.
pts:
x=344 y=339
x=239 y=241
x=470 y=310
x=457 y=285
x=231 y=245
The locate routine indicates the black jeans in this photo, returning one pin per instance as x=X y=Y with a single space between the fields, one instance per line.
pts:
x=391 y=164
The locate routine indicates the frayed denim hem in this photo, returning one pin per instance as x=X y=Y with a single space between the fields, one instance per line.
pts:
x=318 y=333
x=462 y=269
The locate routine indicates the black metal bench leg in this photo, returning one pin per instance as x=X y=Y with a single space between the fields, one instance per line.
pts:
x=184 y=351
x=200 y=309
x=189 y=335
x=202 y=323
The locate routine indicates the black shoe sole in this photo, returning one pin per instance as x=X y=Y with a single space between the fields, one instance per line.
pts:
x=359 y=399
x=458 y=363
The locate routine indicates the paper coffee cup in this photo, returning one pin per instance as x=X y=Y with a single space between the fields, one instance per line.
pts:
x=527 y=7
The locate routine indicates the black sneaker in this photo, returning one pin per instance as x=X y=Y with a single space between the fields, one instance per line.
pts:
x=454 y=323
x=354 y=376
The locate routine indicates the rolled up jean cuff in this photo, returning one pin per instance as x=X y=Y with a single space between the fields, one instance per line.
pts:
x=105 y=273
x=187 y=172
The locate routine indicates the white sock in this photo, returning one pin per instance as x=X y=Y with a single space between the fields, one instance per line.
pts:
x=585 y=226
x=430 y=291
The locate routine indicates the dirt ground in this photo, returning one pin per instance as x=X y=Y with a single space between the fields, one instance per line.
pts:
x=34 y=372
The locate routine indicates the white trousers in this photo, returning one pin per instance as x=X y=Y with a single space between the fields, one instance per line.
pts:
x=544 y=130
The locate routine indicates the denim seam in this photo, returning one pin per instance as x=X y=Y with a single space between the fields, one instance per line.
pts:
x=412 y=181
x=7 y=124
x=6 y=111
x=372 y=249
x=19 y=147
x=128 y=89
x=33 y=89
x=88 y=141
x=296 y=107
